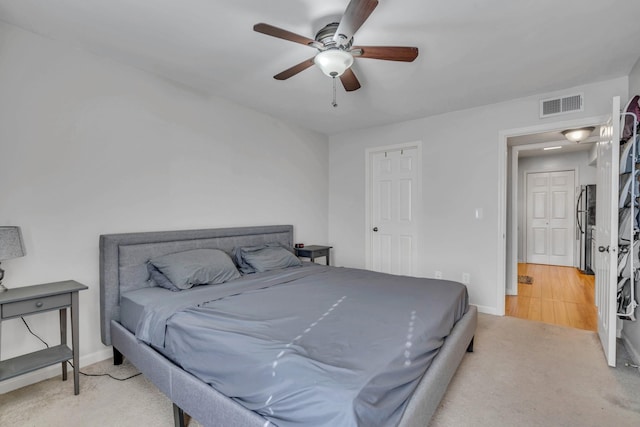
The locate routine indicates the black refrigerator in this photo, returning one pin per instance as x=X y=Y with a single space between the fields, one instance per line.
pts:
x=585 y=224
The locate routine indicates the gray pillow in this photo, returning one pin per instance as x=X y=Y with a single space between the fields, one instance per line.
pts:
x=243 y=266
x=269 y=257
x=160 y=279
x=238 y=255
x=196 y=267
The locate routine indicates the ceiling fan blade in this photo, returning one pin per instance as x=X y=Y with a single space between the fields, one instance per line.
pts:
x=290 y=72
x=388 y=53
x=354 y=16
x=270 y=30
x=349 y=80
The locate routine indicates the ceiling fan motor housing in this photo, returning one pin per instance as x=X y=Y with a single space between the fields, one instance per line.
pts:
x=325 y=36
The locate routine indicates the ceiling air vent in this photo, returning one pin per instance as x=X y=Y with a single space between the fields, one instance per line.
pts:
x=563 y=105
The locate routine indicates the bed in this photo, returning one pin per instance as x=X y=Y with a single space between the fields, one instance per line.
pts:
x=126 y=292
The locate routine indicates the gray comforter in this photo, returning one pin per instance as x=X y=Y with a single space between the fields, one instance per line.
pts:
x=312 y=345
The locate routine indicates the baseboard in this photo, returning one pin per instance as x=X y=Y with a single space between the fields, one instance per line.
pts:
x=51 y=371
x=633 y=352
x=487 y=310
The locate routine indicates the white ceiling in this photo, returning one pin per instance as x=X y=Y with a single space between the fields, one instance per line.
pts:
x=472 y=52
x=535 y=148
x=536 y=142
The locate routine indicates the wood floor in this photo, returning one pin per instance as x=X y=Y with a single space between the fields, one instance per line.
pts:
x=558 y=295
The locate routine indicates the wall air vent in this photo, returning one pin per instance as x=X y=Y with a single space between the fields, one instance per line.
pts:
x=563 y=105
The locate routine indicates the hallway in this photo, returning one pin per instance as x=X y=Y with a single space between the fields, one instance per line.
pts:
x=558 y=295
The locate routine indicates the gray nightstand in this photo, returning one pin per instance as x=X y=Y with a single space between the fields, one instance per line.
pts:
x=35 y=299
x=313 y=252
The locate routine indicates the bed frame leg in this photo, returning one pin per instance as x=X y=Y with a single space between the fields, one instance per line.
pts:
x=470 y=347
x=178 y=416
x=117 y=357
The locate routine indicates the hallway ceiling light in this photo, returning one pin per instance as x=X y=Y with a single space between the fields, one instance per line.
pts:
x=578 y=135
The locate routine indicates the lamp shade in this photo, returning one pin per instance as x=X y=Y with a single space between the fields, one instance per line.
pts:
x=11 y=245
x=333 y=62
x=578 y=135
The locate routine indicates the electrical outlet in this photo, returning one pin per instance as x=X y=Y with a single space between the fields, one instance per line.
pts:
x=438 y=274
x=466 y=278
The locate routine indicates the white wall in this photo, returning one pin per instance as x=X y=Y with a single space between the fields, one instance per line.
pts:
x=579 y=161
x=634 y=80
x=89 y=146
x=462 y=156
x=631 y=330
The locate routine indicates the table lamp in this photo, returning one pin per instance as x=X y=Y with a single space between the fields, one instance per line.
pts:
x=11 y=246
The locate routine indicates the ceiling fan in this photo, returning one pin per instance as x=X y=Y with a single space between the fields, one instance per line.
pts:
x=334 y=43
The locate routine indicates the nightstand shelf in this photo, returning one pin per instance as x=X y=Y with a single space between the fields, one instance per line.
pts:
x=30 y=300
x=30 y=362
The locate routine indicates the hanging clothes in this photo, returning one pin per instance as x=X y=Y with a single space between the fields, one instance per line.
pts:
x=628 y=215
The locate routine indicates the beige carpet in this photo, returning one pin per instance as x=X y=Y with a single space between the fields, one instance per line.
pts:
x=526 y=373
x=521 y=374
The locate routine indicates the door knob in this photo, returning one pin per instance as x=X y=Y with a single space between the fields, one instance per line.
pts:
x=603 y=249
x=375 y=229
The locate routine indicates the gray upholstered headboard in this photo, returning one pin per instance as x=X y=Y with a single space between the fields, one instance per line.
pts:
x=123 y=257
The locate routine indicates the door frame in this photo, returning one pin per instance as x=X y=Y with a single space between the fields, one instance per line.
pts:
x=508 y=269
x=368 y=170
x=576 y=181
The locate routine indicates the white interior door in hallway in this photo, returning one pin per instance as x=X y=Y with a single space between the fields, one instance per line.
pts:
x=551 y=218
x=393 y=206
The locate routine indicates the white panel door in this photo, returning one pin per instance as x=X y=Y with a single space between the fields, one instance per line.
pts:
x=538 y=218
x=393 y=204
x=607 y=232
x=550 y=218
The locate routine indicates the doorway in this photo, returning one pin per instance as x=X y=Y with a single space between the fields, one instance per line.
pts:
x=539 y=137
x=539 y=147
x=550 y=288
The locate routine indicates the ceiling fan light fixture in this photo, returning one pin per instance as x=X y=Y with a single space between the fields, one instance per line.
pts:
x=333 y=62
x=578 y=135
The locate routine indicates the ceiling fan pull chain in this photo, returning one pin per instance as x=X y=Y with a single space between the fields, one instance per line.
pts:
x=334 y=103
